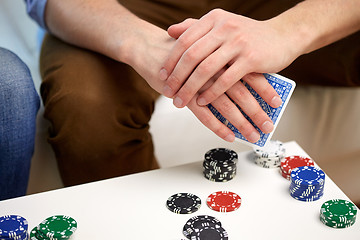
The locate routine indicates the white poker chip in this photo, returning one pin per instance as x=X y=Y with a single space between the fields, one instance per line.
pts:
x=273 y=149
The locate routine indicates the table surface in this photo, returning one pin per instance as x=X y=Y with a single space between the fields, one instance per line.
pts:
x=133 y=207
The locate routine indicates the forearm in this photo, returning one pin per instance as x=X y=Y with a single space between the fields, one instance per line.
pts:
x=313 y=24
x=103 y=26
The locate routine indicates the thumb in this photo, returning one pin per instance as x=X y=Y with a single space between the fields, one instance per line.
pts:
x=177 y=29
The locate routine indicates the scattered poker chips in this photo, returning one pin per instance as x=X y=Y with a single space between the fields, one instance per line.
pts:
x=307 y=183
x=270 y=155
x=289 y=163
x=183 y=203
x=57 y=227
x=204 y=227
x=223 y=201
x=338 y=213
x=13 y=227
x=220 y=164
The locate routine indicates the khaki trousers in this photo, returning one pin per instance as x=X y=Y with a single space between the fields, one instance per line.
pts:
x=99 y=109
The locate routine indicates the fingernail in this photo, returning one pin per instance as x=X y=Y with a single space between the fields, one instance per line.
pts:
x=163 y=74
x=178 y=102
x=267 y=127
x=201 y=101
x=230 y=138
x=254 y=137
x=276 y=101
x=167 y=91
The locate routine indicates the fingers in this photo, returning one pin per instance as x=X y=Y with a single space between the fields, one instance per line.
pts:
x=201 y=52
x=249 y=105
x=188 y=38
x=233 y=74
x=206 y=117
x=205 y=70
x=229 y=110
x=177 y=29
x=259 y=83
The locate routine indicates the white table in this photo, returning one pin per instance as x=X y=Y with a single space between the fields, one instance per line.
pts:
x=133 y=207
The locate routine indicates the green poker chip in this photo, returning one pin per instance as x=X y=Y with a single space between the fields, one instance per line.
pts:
x=34 y=235
x=338 y=213
x=57 y=227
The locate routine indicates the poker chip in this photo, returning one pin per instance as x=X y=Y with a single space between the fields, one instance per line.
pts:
x=338 y=213
x=272 y=149
x=270 y=155
x=183 y=203
x=291 y=162
x=307 y=183
x=13 y=227
x=24 y=236
x=210 y=233
x=220 y=164
x=198 y=222
x=57 y=227
x=267 y=162
x=224 y=201
x=34 y=234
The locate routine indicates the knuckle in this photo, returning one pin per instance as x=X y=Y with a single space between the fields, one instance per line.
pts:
x=183 y=42
x=227 y=107
x=210 y=94
x=191 y=54
x=216 y=11
x=225 y=81
x=174 y=82
x=245 y=128
x=205 y=67
x=186 y=93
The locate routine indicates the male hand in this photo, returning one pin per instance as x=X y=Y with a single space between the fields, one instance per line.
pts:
x=222 y=40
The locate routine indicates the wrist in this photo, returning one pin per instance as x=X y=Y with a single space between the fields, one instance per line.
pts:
x=296 y=37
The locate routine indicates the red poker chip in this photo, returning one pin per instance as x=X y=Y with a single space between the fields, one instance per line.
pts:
x=285 y=175
x=224 y=201
x=289 y=163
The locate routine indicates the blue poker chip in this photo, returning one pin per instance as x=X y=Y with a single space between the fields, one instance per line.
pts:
x=12 y=226
x=307 y=183
x=198 y=222
x=183 y=203
x=25 y=236
x=307 y=175
x=210 y=233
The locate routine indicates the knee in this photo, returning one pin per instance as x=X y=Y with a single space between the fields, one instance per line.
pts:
x=17 y=89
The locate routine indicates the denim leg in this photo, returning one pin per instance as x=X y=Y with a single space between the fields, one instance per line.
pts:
x=19 y=104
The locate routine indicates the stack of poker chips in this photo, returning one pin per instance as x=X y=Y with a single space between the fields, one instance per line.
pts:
x=204 y=227
x=270 y=155
x=13 y=227
x=338 y=213
x=57 y=227
x=290 y=162
x=220 y=164
x=307 y=183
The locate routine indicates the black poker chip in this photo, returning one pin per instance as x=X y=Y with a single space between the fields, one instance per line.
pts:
x=210 y=233
x=220 y=164
x=221 y=155
x=219 y=168
x=198 y=222
x=183 y=203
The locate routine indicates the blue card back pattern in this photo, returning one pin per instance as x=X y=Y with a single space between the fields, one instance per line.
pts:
x=284 y=87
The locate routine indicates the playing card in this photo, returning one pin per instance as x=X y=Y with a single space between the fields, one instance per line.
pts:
x=284 y=87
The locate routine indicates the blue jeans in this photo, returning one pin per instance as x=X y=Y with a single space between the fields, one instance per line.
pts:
x=19 y=104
